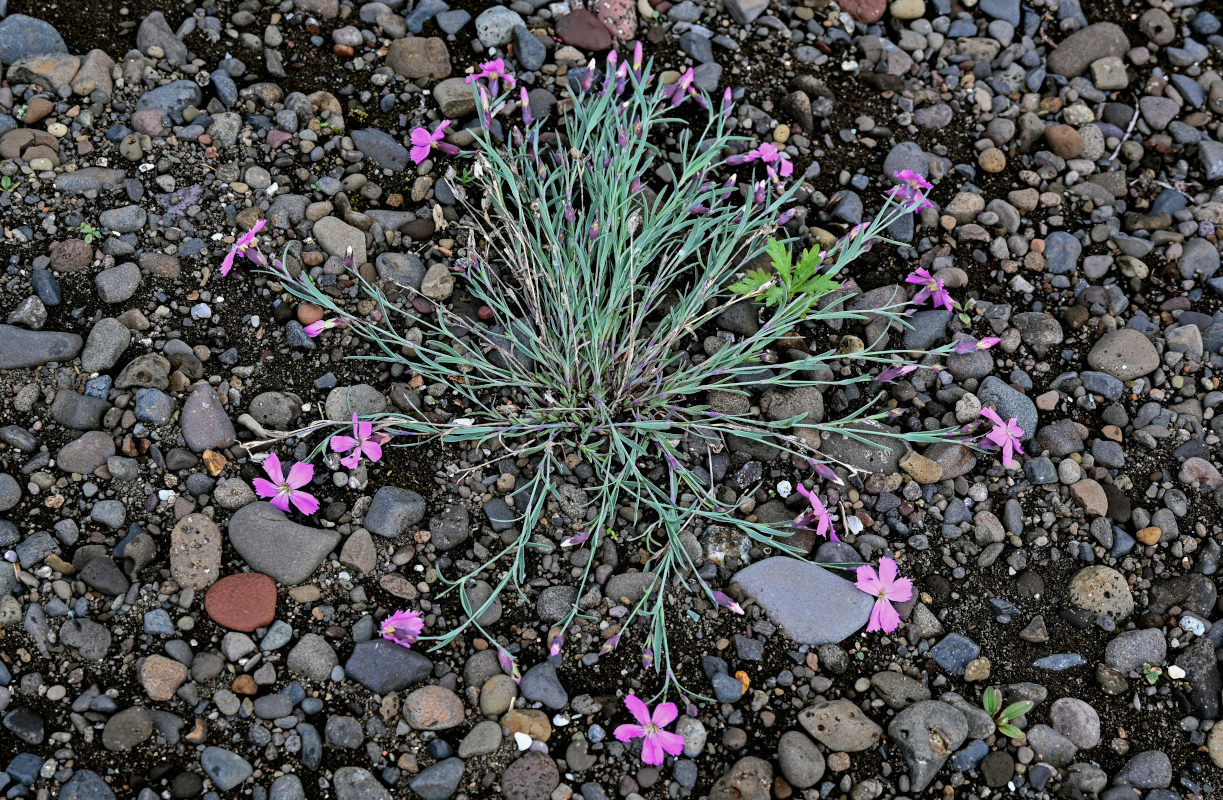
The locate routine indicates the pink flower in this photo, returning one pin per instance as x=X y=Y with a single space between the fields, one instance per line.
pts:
x=818 y=514
x=557 y=643
x=723 y=600
x=885 y=587
x=493 y=71
x=366 y=443
x=509 y=664
x=424 y=142
x=403 y=627
x=681 y=88
x=931 y=288
x=650 y=728
x=524 y=102
x=968 y=345
x=315 y=328
x=827 y=473
x=282 y=490
x=244 y=247
x=1006 y=435
x=892 y=373
x=909 y=192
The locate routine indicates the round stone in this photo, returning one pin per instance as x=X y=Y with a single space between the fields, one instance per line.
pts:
x=1101 y=590
x=242 y=602
x=992 y=160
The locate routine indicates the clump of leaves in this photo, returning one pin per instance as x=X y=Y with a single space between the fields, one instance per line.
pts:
x=7 y=183
x=991 y=701
x=1151 y=673
x=805 y=281
x=87 y=231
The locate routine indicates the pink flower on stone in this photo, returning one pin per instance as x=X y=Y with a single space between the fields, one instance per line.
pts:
x=1006 y=435
x=892 y=373
x=282 y=490
x=363 y=442
x=649 y=727
x=244 y=247
x=968 y=345
x=931 y=288
x=885 y=587
x=403 y=627
x=315 y=328
x=909 y=192
x=424 y=142
x=493 y=71
x=818 y=514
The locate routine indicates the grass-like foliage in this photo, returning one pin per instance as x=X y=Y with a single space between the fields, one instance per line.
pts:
x=603 y=280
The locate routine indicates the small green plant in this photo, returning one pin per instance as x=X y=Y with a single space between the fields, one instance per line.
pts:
x=1151 y=673
x=991 y=701
x=7 y=183
x=87 y=231
x=806 y=281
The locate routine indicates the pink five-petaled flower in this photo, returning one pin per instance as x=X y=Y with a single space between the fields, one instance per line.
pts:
x=403 y=627
x=818 y=514
x=244 y=247
x=366 y=443
x=282 y=490
x=649 y=727
x=493 y=71
x=885 y=587
x=931 y=288
x=315 y=328
x=769 y=154
x=424 y=142
x=968 y=345
x=1004 y=434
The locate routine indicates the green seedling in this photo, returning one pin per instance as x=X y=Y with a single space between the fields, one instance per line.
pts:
x=991 y=701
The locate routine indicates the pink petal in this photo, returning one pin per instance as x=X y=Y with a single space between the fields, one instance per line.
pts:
x=421 y=138
x=342 y=444
x=351 y=461
x=887 y=571
x=372 y=450
x=651 y=751
x=300 y=474
x=420 y=152
x=228 y=262
x=363 y=429
x=626 y=732
x=271 y=465
x=888 y=619
x=992 y=415
x=639 y=710
x=265 y=488
x=901 y=591
x=664 y=714
x=868 y=581
x=1008 y=455
x=305 y=502
x=281 y=502
x=673 y=743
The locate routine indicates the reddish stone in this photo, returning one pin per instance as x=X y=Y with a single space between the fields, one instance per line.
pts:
x=277 y=138
x=620 y=17
x=583 y=29
x=242 y=602
x=867 y=11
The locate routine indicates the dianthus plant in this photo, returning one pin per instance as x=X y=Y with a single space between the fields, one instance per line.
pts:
x=603 y=279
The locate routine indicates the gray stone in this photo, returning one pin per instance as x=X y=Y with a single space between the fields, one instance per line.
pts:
x=542 y=685
x=25 y=348
x=205 y=424
x=360 y=399
x=1101 y=590
x=312 y=658
x=881 y=455
x=1010 y=403
x=1151 y=769
x=394 y=510
x=495 y=26
x=927 y=733
x=173 y=98
x=381 y=148
x=273 y=544
x=1077 y=51
x=383 y=667
x=22 y=37
x=226 y=768
x=355 y=783
x=78 y=411
x=1129 y=650
x=1125 y=354
x=1051 y=746
x=813 y=605
x=954 y=652
x=335 y=236
x=118 y=283
x=1077 y=721
x=85 y=784
x=841 y=726
x=439 y=781
x=800 y=760
x=85 y=453
x=107 y=341
x=154 y=31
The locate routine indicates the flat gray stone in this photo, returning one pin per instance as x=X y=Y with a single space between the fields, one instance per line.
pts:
x=927 y=733
x=23 y=348
x=813 y=605
x=275 y=545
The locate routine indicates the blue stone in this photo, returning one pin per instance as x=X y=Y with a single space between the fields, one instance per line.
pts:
x=158 y=622
x=969 y=756
x=954 y=652
x=1059 y=661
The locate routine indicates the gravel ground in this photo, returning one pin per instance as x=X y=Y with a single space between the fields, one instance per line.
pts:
x=165 y=634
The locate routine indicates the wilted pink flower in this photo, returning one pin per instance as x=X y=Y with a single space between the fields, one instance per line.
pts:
x=424 y=142
x=681 y=88
x=818 y=514
x=885 y=587
x=494 y=72
x=968 y=345
x=909 y=192
x=508 y=663
x=366 y=443
x=724 y=601
x=827 y=473
x=315 y=328
x=638 y=56
x=403 y=627
x=892 y=373
x=524 y=102
x=558 y=642
x=931 y=288
x=649 y=727
x=282 y=490
x=609 y=645
x=576 y=539
x=1006 y=435
x=245 y=247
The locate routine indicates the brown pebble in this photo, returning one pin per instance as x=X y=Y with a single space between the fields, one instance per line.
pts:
x=838 y=762
x=992 y=160
x=242 y=602
x=244 y=684
x=1149 y=535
